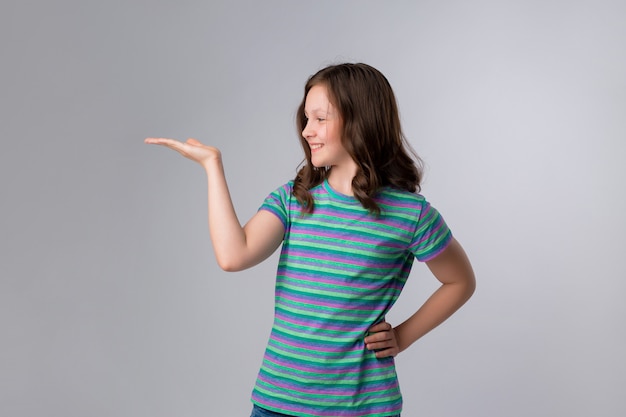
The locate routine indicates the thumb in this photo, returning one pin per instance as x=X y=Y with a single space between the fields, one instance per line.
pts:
x=192 y=141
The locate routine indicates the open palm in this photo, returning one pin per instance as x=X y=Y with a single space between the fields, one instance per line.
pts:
x=192 y=149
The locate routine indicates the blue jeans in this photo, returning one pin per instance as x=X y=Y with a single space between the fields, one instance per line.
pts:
x=262 y=412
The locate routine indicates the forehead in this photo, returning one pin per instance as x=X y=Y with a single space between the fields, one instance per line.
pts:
x=317 y=99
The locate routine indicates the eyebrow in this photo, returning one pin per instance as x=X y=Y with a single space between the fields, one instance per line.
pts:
x=318 y=110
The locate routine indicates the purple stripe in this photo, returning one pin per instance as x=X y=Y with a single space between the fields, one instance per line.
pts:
x=326 y=326
x=324 y=369
x=300 y=282
x=319 y=347
x=351 y=286
x=391 y=227
x=345 y=412
x=344 y=303
x=282 y=303
x=347 y=391
x=308 y=340
x=433 y=232
x=354 y=260
x=301 y=231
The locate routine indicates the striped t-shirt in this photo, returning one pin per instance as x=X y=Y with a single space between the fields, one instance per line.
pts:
x=340 y=271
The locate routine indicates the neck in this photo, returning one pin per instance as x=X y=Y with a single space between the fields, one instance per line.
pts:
x=340 y=178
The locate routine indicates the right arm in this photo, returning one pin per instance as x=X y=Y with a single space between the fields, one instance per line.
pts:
x=236 y=247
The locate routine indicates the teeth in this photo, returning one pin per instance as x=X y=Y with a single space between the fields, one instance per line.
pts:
x=316 y=146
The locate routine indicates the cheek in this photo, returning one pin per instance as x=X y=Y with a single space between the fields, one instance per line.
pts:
x=334 y=133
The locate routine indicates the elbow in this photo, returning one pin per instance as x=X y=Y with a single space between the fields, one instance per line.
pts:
x=229 y=266
x=226 y=261
x=471 y=286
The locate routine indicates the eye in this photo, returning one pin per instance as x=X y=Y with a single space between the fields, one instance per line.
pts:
x=320 y=119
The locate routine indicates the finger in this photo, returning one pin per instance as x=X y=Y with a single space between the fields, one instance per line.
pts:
x=379 y=337
x=180 y=147
x=382 y=346
x=385 y=344
x=386 y=353
x=162 y=141
x=152 y=140
x=380 y=327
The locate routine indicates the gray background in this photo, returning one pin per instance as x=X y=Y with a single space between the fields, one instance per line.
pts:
x=111 y=303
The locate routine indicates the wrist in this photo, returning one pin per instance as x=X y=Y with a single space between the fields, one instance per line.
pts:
x=403 y=339
x=212 y=162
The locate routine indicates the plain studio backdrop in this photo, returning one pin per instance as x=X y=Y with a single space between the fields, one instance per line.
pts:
x=111 y=302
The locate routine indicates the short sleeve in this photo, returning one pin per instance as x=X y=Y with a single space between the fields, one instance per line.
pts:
x=277 y=203
x=432 y=234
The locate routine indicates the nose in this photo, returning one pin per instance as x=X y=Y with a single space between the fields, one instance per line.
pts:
x=307 y=132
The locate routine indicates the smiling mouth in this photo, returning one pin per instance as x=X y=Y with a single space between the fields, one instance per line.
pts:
x=316 y=146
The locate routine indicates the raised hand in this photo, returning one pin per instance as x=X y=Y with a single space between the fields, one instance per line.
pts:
x=235 y=247
x=192 y=149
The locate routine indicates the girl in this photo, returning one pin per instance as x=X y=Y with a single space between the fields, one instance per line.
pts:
x=351 y=224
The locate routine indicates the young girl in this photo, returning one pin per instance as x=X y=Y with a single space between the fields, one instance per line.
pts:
x=351 y=224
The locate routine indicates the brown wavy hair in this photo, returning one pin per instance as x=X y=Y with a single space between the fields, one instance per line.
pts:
x=371 y=135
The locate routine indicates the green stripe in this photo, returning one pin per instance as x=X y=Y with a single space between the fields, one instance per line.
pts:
x=331 y=295
x=357 y=377
x=285 y=305
x=306 y=398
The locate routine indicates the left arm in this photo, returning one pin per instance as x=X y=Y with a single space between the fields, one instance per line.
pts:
x=453 y=269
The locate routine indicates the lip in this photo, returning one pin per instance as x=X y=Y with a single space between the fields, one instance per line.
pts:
x=315 y=146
